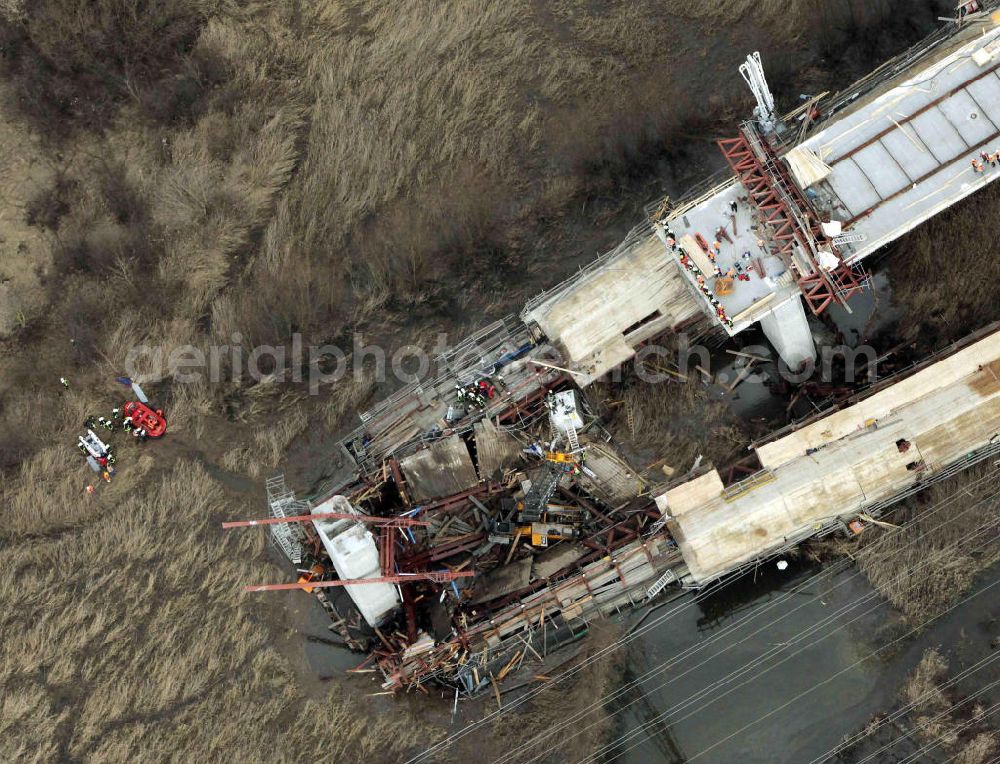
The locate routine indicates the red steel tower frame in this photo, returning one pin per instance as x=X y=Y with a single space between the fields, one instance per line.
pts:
x=768 y=187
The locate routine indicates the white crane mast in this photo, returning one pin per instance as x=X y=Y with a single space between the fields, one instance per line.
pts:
x=753 y=74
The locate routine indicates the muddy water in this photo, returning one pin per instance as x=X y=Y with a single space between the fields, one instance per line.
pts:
x=800 y=696
x=870 y=312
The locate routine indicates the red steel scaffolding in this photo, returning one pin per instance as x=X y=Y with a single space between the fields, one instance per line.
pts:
x=790 y=216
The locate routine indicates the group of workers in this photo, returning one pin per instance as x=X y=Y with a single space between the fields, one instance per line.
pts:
x=111 y=424
x=703 y=287
x=735 y=271
x=476 y=394
x=106 y=458
x=738 y=270
x=988 y=159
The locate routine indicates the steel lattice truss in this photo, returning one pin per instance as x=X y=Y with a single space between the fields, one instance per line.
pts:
x=769 y=188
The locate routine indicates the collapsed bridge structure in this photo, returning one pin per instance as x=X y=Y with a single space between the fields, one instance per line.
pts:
x=490 y=517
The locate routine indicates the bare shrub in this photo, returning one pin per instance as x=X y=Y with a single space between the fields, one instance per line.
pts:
x=78 y=59
x=939 y=717
x=980 y=749
x=922 y=686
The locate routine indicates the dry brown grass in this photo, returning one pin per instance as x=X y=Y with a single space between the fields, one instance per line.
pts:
x=268 y=169
x=980 y=749
x=945 y=273
x=673 y=421
x=269 y=443
x=133 y=643
x=935 y=720
x=938 y=540
x=569 y=698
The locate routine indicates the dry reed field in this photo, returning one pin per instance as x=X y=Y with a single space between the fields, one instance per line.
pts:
x=946 y=274
x=933 y=536
x=674 y=422
x=939 y=717
x=568 y=699
x=205 y=172
x=125 y=642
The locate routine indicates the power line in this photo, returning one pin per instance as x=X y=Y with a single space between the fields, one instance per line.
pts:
x=815 y=686
x=473 y=726
x=736 y=674
x=935 y=718
x=899 y=713
x=831 y=572
x=962 y=727
x=701 y=595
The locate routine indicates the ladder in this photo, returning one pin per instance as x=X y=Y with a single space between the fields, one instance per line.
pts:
x=850 y=238
x=540 y=492
x=656 y=527
x=282 y=502
x=570 y=434
x=785 y=279
x=572 y=439
x=660 y=584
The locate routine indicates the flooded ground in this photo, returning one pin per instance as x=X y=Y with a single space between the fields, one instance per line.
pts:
x=759 y=397
x=782 y=668
x=870 y=312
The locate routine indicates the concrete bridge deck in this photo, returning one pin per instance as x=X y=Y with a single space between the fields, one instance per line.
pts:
x=841 y=464
x=907 y=154
x=895 y=158
x=898 y=153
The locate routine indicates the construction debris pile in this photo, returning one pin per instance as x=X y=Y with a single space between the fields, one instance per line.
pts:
x=489 y=515
x=477 y=552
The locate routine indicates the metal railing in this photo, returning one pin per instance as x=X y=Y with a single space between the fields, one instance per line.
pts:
x=693 y=196
x=891 y=69
x=878 y=385
x=637 y=234
x=951 y=469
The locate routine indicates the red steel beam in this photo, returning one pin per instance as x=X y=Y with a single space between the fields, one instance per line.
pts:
x=926 y=107
x=820 y=289
x=387 y=551
x=402 y=578
x=443 y=551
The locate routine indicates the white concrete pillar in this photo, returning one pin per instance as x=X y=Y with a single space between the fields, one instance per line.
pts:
x=788 y=330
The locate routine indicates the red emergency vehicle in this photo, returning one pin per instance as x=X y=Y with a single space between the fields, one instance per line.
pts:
x=143 y=417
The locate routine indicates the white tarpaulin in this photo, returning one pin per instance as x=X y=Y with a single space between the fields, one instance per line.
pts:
x=827 y=260
x=832 y=229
